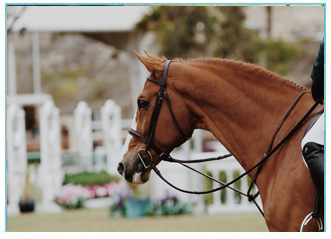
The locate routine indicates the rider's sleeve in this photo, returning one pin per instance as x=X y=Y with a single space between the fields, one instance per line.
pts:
x=317 y=74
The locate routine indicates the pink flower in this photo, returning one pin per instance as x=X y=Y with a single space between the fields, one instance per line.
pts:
x=90 y=190
x=70 y=194
x=101 y=191
x=112 y=188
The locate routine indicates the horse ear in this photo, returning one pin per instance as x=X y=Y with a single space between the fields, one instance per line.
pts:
x=156 y=58
x=152 y=63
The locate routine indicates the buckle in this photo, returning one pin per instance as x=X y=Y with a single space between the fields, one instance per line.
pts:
x=141 y=158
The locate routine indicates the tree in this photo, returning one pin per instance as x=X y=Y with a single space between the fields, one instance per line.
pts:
x=183 y=31
x=218 y=31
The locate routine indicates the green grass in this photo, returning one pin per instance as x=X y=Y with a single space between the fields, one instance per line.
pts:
x=85 y=220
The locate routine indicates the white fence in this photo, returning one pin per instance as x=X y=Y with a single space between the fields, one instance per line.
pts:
x=50 y=173
x=83 y=127
x=16 y=161
x=232 y=204
x=180 y=176
x=108 y=129
x=112 y=132
x=186 y=179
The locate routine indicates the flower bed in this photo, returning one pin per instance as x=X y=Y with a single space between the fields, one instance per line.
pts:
x=125 y=204
x=107 y=190
x=73 y=196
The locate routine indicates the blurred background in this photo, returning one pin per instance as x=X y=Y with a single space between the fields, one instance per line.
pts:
x=72 y=84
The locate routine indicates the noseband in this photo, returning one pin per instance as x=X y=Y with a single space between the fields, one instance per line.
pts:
x=155 y=115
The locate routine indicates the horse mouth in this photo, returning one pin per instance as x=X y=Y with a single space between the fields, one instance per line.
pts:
x=141 y=175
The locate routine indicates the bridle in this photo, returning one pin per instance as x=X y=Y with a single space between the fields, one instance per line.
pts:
x=162 y=93
x=155 y=115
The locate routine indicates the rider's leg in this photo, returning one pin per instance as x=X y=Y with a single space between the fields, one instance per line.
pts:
x=313 y=154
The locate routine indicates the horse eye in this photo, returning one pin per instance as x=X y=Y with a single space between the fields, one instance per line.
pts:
x=142 y=104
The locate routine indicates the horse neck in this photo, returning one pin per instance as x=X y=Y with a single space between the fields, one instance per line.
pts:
x=241 y=104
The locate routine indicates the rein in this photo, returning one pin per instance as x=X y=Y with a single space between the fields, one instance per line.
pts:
x=166 y=156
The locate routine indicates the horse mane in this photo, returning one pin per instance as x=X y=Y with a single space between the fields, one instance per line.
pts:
x=247 y=67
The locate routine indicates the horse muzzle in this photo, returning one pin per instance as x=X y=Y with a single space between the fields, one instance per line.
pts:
x=135 y=169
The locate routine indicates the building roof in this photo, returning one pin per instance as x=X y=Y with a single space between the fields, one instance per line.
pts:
x=80 y=18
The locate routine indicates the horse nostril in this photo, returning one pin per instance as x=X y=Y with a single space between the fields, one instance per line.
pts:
x=121 y=169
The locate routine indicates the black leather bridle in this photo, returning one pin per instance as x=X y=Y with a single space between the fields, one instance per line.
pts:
x=162 y=93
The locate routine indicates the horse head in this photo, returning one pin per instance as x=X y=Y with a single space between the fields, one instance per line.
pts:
x=154 y=128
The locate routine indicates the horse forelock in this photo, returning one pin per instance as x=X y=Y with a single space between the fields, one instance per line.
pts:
x=246 y=67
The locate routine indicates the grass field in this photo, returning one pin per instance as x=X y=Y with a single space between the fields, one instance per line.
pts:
x=86 y=220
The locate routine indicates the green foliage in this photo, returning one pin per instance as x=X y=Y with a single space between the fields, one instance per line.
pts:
x=117 y=211
x=278 y=54
x=198 y=31
x=234 y=40
x=78 y=204
x=90 y=178
x=208 y=185
x=168 y=206
x=222 y=177
x=237 y=185
x=177 y=29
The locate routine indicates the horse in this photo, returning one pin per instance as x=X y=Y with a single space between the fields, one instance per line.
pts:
x=241 y=104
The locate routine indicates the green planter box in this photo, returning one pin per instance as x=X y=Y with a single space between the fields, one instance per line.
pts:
x=136 y=207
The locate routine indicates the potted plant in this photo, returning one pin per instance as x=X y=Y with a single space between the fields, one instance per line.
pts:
x=136 y=206
x=130 y=201
x=27 y=203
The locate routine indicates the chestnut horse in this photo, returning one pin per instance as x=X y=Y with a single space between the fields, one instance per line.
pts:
x=241 y=104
